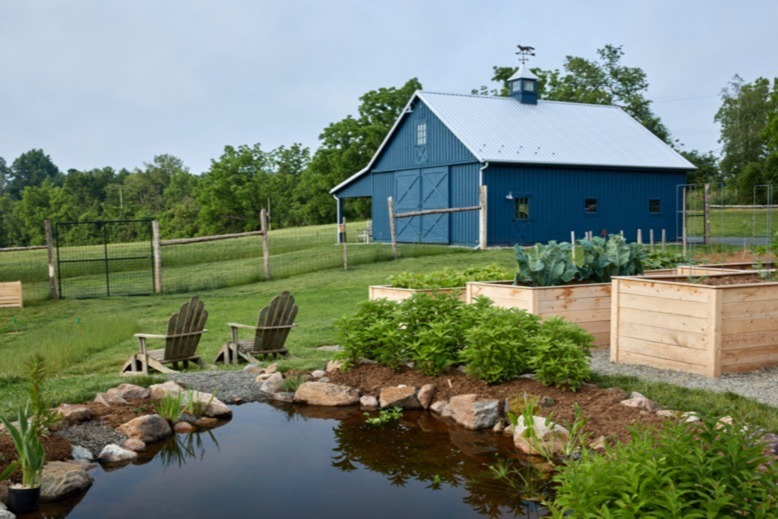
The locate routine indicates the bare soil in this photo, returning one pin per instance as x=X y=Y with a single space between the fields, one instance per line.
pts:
x=734 y=257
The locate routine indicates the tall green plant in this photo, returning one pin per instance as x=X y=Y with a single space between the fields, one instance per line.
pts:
x=545 y=265
x=30 y=456
x=42 y=415
x=561 y=354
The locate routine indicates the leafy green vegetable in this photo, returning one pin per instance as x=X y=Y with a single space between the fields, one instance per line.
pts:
x=545 y=265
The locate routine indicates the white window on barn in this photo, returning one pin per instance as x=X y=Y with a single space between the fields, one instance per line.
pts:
x=529 y=86
x=421 y=134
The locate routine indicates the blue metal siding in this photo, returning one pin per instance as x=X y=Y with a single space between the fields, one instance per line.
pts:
x=383 y=188
x=442 y=146
x=464 y=193
x=557 y=197
x=359 y=188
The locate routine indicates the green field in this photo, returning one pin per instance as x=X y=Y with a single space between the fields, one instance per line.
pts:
x=733 y=223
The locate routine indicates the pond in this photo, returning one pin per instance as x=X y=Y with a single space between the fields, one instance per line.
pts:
x=303 y=461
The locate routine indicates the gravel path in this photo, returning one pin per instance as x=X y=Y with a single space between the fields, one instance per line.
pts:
x=226 y=385
x=761 y=385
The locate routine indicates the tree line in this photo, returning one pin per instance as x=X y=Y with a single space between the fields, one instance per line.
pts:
x=293 y=182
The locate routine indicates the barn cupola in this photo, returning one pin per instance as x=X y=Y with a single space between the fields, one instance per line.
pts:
x=523 y=84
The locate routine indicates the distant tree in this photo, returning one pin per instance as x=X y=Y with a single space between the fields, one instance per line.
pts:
x=707 y=167
x=603 y=81
x=287 y=166
x=5 y=174
x=749 y=133
x=346 y=147
x=31 y=169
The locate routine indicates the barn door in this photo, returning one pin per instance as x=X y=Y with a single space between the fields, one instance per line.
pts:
x=434 y=195
x=408 y=190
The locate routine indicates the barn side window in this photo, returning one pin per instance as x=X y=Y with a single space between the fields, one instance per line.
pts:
x=421 y=134
x=521 y=207
x=654 y=206
x=590 y=205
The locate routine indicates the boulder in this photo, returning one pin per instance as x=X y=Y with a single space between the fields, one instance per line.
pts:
x=5 y=513
x=81 y=453
x=126 y=391
x=148 y=429
x=134 y=445
x=160 y=391
x=108 y=399
x=216 y=408
x=62 y=479
x=473 y=412
x=332 y=366
x=254 y=369
x=438 y=406
x=638 y=401
x=183 y=428
x=271 y=368
x=368 y=402
x=499 y=427
x=112 y=453
x=326 y=394
x=599 y=444
x=73 y=414
x=552 y=436
x=425 y=395
x=272 y=384
x=262 y=377
x=318 y=373
x=282 y=396
x=206 y=422
x=668 y=413
x=690 y=417
x=403 y=397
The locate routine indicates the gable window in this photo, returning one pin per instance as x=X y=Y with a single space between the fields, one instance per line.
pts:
x=515 y=86
x=590 y=205
x=521 y=208
x=654 y=206
x=529 y=86
x=421 y=134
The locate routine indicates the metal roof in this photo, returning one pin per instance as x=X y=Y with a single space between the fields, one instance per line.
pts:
x=502 y=129
x=523 y=73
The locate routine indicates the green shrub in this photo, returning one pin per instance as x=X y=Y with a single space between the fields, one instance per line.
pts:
x=363 y=334
x=545 y=265
x=703 y=469
x=659 y=259
x=561 y=354
x=498 y=346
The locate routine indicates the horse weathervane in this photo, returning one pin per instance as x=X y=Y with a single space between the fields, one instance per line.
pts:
x=525 y=52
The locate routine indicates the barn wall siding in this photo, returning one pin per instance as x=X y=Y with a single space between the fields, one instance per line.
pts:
x=359 y=188
x=442 y=148
x=557 y=202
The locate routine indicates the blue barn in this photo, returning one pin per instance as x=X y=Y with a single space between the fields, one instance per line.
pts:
x=550 y=168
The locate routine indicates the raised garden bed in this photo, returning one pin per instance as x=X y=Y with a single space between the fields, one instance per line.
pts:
x=673 y=323
x=587 y=305
x=718 y=268
x=399 y=294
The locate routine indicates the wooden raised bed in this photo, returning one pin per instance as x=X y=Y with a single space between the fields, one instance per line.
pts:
x=11 y=294
x=718 y=268
x=587 y=305
x=674 y=324
x=399 y=294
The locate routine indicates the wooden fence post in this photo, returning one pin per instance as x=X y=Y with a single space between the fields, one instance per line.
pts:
x=265 y=242
x=683 y=219
x=345 y=242
x=482 y=234
x=53 y=293
x=157 y=252
x=392 y=226
x=664 y=240
x=707 y=214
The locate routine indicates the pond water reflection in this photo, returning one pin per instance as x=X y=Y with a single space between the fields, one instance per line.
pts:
x=301 y=461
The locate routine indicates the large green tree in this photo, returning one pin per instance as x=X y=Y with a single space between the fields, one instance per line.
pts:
x=346 y=147
x=604 y=80
x=31 y=169
x=749 y=133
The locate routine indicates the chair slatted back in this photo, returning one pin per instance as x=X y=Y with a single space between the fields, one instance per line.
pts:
x=190 y=319
x=280 y=312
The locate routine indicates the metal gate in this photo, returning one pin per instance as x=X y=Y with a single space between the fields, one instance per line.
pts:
x=108 y=258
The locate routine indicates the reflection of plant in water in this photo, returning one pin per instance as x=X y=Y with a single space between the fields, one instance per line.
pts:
x=407 y=453
x=181 y=449
x=520 y=486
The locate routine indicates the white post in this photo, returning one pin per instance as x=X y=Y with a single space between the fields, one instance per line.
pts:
x=392 y=226
x=651 y=239
x=572 y=241
x=664 y=240
x=640 y=236
x=483 y=221
x=157 y=251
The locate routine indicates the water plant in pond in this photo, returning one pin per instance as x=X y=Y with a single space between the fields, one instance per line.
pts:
x=195 y=405
x=385 y=417
x=293 y=383
x=171 y=406
x=702 y=469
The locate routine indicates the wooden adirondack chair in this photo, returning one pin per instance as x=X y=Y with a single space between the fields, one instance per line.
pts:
x=184 y=330
x=273 y=326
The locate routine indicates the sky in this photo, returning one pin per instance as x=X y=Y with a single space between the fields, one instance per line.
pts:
x=98 y=83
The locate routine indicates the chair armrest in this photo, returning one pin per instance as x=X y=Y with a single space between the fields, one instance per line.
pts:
x=246 y=326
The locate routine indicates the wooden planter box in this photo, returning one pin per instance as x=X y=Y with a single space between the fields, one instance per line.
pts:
x=710 y=330
x=399 y=294
x=11 y=294
x=587 y=305
x=718 y=268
